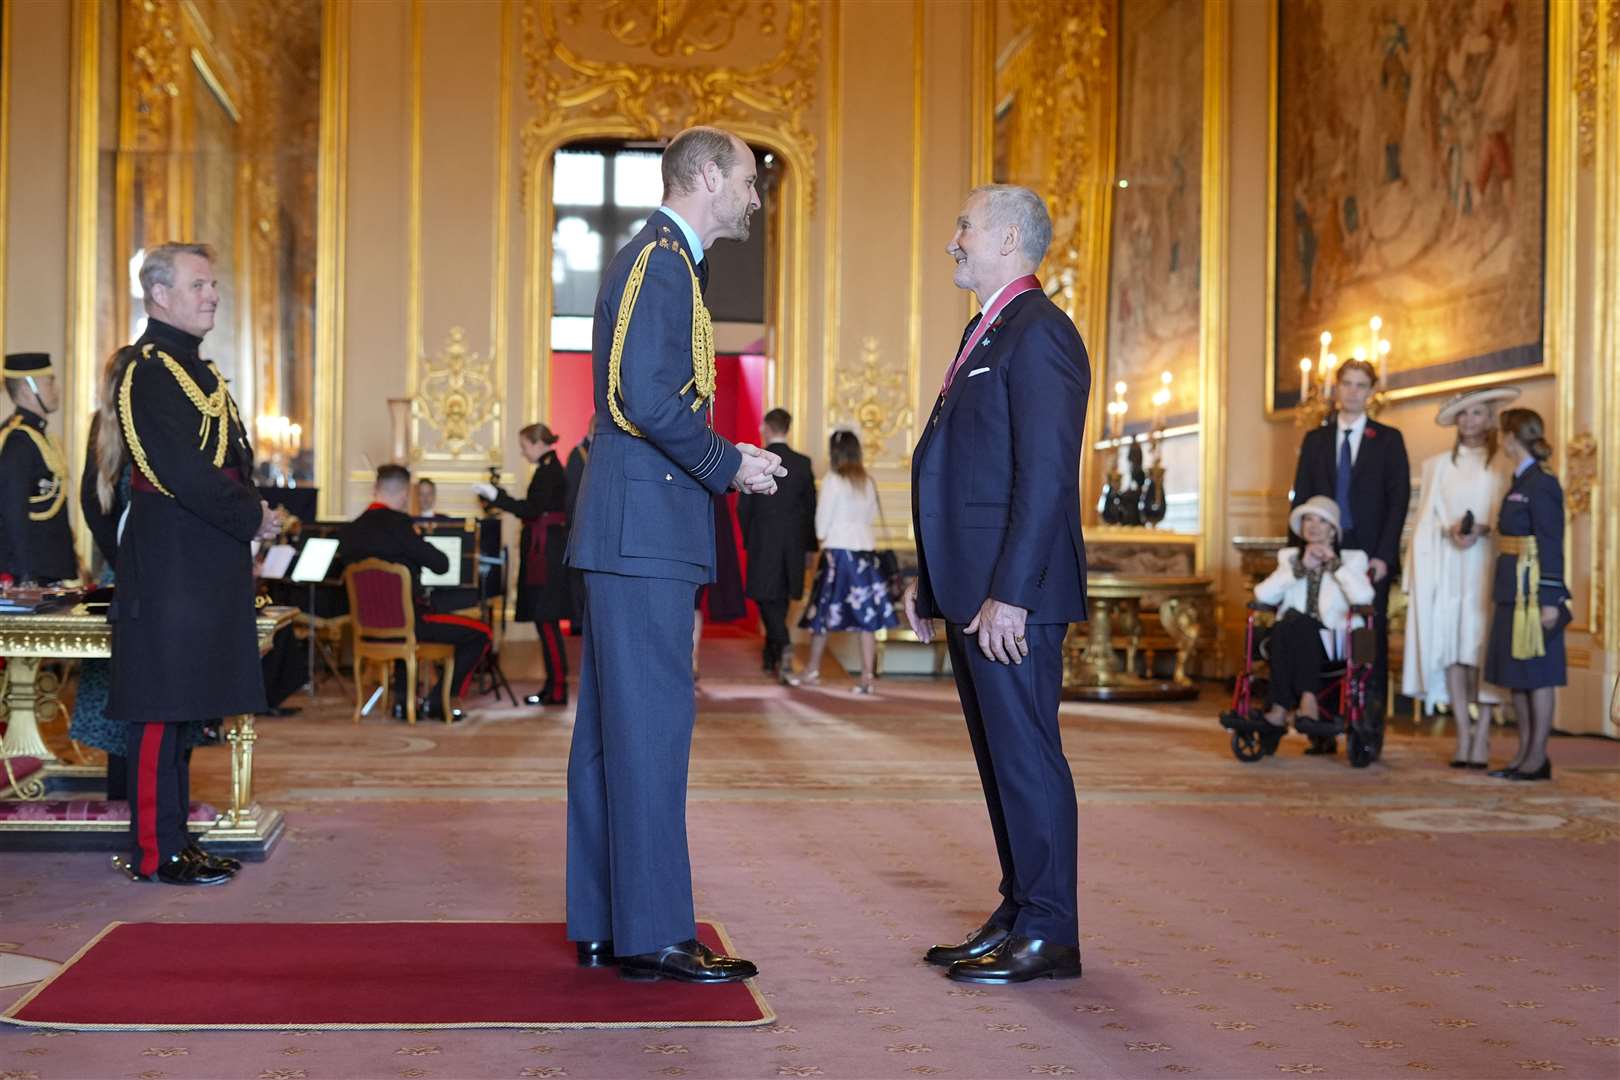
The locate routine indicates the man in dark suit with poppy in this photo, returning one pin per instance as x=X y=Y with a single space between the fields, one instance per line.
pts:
x=1361 y=465
x=995 y=506
x=777 y=533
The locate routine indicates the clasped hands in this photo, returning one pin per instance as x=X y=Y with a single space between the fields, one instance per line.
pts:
x=269 y=522
x=999 y=627
x=757 y=473
x=1318 y=554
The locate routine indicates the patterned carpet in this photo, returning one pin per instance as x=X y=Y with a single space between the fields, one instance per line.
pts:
x=1291 y=917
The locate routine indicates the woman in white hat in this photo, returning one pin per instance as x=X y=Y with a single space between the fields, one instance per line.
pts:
x=1313 y=588
x=1448 y=571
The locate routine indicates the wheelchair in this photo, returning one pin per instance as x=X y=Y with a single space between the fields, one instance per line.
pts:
x=1343 y=701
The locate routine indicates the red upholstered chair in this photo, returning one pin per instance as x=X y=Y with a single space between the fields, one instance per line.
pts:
x=384 y=617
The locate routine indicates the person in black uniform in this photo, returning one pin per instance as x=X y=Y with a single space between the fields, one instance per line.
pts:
x=578 y=458
x=184 y=643
x=777 y=533
x=1361 y=465
x=543 y=584
x=385 y=531
x=36 y=542
x=1525 y=652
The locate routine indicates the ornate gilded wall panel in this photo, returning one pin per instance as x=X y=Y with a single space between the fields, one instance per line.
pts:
x=645 y=69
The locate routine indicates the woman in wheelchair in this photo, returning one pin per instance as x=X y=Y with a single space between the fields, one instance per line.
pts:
x=1313 y=589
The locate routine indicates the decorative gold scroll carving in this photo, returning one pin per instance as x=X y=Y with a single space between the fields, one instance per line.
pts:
x=571 y=87
x=877 y=400
x=458 y=402
x=671 y=27
x=1580 y=473
x=1057 y=90
x=1587 y=62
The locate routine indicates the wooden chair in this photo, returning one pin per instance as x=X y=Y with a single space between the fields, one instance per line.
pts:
x=384 y=616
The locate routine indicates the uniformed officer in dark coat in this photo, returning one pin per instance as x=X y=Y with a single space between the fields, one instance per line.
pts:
x=644 y=536
x=185 y=645
x=543 y=579
x=777 y=533
x=385 y=531
x=36 y=542
x=1525 y=652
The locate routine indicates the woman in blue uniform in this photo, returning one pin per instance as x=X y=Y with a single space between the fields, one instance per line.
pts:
x=1526 y=649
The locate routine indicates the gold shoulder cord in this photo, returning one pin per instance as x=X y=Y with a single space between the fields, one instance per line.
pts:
x=703 y=370
x=213 y=407
x=53 y=462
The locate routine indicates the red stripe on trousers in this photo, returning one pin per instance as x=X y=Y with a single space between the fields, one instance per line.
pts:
x=548 y=632
x=146 y=837
x=471 y=624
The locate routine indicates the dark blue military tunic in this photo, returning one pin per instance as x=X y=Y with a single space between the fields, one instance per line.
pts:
x=1533 y=506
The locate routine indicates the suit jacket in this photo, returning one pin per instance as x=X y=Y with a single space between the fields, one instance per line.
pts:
x=1380 y=485
x=778 y=530
x=644 y=508
x=995 y=478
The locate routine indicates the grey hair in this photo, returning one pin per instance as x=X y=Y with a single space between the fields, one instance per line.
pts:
x=689 y=151
x=1020 y=207
x=158 y=266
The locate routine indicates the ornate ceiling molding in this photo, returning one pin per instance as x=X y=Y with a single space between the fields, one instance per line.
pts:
x=625 y=67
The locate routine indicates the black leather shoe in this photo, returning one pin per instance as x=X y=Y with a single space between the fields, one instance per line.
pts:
x=1018 y=960
x=981 y=941
x=1459 y=764
x=1543 y=773
x=595 y=953
x=218 y=862
x=176 y=870
x=1502 y=773
x=690 y=961
x=1323 y=744
x=533 y=699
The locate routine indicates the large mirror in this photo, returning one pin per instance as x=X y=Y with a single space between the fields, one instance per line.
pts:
x=209 y=121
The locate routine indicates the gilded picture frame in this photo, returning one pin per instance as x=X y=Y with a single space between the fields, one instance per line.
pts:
x=1421 y=176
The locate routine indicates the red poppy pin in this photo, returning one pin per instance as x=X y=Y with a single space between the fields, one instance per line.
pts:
x=1370 y=433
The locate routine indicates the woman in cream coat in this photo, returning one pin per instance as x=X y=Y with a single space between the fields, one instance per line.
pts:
x=1314 y=589
x=1448 y=572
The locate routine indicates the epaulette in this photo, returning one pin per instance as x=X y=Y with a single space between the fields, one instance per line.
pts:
x=57 y=496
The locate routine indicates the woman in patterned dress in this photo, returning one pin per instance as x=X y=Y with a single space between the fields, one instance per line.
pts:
x=850 y=593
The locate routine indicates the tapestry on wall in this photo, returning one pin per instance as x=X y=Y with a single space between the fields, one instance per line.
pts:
x=1153 y=266
x=1410 y=185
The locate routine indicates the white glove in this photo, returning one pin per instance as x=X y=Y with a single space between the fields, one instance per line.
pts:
x=486 y=491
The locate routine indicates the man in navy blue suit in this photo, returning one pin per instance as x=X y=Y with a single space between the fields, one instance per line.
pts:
x=643 y=534
x=995 y=501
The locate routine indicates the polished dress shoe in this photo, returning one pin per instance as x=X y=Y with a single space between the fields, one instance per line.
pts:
x=979 y=942
x=533 y=699
x=1019 y=960
x=1503 y=773
x=1543 y=773
x=1459 y=763
x=690 y=961
x=179 y=870
x=218 y=862
x=1323 y=744
x=595 y=953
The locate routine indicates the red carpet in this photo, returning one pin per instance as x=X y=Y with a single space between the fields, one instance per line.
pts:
x=153 y=976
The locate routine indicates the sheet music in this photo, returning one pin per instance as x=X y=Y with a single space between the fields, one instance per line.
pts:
x=451 y=546
x=277 y=561
x=315 y=560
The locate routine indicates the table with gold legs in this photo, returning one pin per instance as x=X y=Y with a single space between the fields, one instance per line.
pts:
x=26 y=642
x=1092 y=671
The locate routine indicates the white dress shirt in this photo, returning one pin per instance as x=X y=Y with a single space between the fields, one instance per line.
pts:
x=1355 y=428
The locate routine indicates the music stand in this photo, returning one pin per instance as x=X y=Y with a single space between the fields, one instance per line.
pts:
x=314 y=564
x=493 y=568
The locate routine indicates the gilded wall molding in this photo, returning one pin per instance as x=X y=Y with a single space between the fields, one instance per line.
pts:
x=1580 y=473
x=572 y=85
x=875 y=400
x=1059 y=87
x=456 y=410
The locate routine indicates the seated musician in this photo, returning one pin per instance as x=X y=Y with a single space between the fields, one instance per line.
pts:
x=1313 y=588
x=385 y=531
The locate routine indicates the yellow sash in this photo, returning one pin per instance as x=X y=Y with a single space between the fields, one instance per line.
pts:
x=1527 y=636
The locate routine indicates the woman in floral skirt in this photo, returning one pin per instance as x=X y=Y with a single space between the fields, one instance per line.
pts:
x=850 y=593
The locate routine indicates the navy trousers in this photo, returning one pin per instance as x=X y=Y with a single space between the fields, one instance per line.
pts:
x=629 y=874
x=1012 y=721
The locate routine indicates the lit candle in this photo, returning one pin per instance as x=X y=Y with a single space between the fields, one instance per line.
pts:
x=295 y=434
